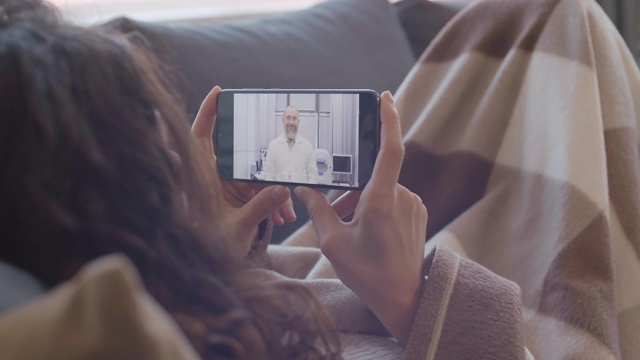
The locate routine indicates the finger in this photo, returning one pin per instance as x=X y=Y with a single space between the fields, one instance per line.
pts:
x=424 y=214
x=277 y=218
x=417 y=198
x=322 y=215
x=246 y=191
x=205 y=120
x=287 y=212
x=262 y=206
x=346 y=204
x=406 y=201
x=387 y=168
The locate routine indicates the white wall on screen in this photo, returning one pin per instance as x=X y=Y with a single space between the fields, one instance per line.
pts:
x=250 y=121
x=304 y=102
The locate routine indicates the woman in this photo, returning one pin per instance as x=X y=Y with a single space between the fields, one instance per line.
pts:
x=97 y=158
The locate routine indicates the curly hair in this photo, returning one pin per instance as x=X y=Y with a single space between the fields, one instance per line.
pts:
x=87 y=171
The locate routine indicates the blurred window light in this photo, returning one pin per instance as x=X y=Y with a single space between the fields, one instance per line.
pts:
x=96 y=11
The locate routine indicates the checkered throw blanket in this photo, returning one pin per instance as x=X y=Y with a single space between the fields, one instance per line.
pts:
x=521 y=130
x=521 y=123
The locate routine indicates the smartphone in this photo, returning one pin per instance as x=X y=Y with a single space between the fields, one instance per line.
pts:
x=316 y=138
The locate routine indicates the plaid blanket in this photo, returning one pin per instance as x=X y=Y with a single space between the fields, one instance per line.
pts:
x=521 y=132
x=521 y=126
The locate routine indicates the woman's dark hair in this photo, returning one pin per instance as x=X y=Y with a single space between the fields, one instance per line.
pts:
x=87 y=130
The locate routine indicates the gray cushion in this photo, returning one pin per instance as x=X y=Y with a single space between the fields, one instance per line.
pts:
x=16 y=286
x=422 y=20
x=336 y=44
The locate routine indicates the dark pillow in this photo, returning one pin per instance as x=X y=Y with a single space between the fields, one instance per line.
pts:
x=423 y=19
x=336 y=44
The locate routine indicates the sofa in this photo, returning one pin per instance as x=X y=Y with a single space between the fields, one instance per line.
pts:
x=338 y=44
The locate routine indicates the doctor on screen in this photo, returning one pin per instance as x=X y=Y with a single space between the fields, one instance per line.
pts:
x=290 y=157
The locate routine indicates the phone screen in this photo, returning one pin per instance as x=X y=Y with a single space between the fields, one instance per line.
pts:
x=318 y=138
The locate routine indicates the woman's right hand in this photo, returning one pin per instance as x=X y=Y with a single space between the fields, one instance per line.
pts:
x=379 y=254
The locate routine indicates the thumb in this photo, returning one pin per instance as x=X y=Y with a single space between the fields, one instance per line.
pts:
x=322 y=215
x=262 y=206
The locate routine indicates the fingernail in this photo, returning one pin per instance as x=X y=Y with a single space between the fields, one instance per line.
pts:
x=279 y=193
x=389 y=97
x=301 y=193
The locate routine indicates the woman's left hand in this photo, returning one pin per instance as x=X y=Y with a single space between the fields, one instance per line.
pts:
x=250 y=203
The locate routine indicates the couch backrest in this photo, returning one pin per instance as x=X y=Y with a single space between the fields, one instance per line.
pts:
x=336 y=44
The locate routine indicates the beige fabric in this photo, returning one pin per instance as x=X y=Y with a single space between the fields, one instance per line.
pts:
x=102 y=313
x=465 y=309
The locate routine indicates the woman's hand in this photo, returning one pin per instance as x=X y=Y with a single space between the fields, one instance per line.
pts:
x=379 y=254
x=247 y=204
